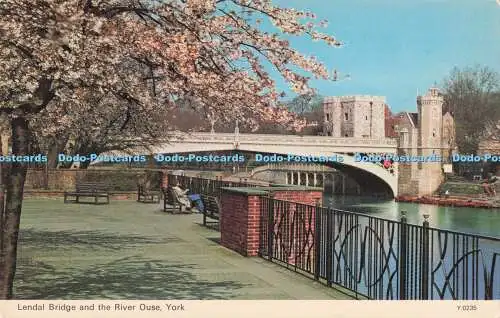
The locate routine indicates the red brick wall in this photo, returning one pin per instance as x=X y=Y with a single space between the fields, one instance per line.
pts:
x=240 y=218
x=305 y=197
x=236 y=209
x=390 y=123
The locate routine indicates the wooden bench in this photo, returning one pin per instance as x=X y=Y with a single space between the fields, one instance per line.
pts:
x=211 y=209
x=147 y=196
x=94 y=190
x=171 y=202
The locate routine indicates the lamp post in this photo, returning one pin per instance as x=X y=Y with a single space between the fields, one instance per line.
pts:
x=371 y=118
x=212 y=129
x=236 y=135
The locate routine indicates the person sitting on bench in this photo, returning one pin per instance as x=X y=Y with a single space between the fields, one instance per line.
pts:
x=196 y=202
x=489 y=185
x=182 y=195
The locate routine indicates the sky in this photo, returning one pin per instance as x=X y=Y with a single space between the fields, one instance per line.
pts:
x=396 y=48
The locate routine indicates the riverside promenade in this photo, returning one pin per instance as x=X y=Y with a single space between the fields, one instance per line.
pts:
x=128 y=250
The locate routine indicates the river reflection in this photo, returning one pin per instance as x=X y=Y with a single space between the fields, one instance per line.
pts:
x=469 y=220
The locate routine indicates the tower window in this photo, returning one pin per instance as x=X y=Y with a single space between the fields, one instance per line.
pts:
x=366 y=117
x=346 y=115
x=434 y=133
x=327 y=117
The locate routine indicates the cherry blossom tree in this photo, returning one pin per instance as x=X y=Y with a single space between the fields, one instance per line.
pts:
x=109 y=123
x=138 y=57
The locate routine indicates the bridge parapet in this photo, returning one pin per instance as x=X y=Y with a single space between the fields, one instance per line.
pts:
x=288 y=146
x=282 y=139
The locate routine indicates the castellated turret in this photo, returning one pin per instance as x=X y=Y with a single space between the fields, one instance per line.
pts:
x=360 y=116
x=430 y=142
x=430 y=113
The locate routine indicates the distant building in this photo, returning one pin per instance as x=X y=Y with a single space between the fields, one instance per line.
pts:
x=437 y=133
x=391 y=123
x=426 y=132
x=358 y=116
x=490 y=144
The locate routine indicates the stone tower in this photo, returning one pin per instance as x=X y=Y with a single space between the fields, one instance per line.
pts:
x=332 y=108
x=430 y=113
x=430 y=119
x=359 y=116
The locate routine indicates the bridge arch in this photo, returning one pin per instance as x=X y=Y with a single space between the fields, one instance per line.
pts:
x=370 y=176
x=367 y=175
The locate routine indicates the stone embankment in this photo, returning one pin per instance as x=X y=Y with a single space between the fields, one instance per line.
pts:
x=452 y=201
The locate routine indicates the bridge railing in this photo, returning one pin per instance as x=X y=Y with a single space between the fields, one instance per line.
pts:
x=284 y=139
x=379 y=258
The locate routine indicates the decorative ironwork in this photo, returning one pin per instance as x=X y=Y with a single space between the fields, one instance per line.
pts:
x=380 y=258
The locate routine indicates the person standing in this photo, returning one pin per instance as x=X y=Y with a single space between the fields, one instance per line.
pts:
x=489 y=185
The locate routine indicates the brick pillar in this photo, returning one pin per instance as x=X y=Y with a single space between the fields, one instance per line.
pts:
x=239 y=222
x=241 y=215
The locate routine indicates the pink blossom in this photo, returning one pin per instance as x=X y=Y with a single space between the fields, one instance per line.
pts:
x=86 y=65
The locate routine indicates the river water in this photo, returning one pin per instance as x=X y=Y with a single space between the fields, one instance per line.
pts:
x=469 y=220
x=457 y=269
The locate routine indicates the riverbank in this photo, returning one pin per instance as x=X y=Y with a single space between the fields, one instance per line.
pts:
x=476 y=220
x=453 y=201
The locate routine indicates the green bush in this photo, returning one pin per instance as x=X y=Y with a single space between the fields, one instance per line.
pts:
x=461 y=188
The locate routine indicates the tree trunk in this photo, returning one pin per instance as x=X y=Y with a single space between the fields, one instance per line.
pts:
x=2 y=210
x=12 y=215
x=57 y=146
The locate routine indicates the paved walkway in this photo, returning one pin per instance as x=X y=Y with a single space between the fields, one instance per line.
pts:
x=128 y=250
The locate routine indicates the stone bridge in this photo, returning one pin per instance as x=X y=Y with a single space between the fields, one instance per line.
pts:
x=370 y=176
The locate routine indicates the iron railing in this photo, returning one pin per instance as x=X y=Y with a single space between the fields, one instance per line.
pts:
x=212 y=187
x=379 y=258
